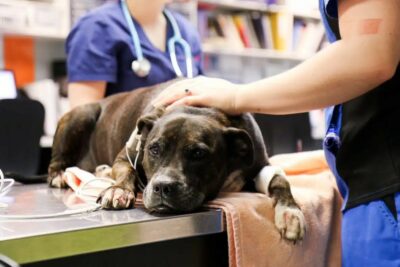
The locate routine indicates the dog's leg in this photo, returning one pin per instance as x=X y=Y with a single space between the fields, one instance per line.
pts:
x=122 y=194
x=71 y=141
x=289 y=219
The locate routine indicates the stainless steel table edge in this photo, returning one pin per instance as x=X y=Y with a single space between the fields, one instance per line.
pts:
x=64 y=244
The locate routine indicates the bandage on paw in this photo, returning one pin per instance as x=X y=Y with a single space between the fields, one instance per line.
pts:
x=264 y=178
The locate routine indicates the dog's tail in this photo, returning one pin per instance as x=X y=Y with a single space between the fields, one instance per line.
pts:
x=26 y=179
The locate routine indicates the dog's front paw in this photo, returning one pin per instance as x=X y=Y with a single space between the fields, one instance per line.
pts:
x=116 y=198
x=290 y=222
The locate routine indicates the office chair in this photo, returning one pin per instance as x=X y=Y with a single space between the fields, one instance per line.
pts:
x=21 y=127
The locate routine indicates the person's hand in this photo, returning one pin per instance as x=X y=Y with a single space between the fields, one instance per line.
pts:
x=200 y=91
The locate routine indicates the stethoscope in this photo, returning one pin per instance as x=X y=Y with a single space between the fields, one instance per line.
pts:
x=141 y=66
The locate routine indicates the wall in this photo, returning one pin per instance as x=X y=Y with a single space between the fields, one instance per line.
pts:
x=1 y=52
x=45 y=52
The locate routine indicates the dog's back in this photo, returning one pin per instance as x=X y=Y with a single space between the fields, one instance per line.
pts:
x=119 y=115
x=95 y=134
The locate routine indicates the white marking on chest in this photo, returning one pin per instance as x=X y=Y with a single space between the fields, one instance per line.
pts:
x=234 y=182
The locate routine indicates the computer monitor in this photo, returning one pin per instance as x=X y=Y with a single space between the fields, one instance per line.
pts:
x=8 y=87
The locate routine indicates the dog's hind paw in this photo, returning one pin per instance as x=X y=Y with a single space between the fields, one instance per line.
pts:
x=290 y=222
x=57 y=180
x=103 y=171
x=116 y=198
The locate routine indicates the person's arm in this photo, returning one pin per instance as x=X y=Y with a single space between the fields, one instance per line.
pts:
x=80 y=93
x=367 y=56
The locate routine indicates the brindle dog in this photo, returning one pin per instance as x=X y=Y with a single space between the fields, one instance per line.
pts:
x=184 y=156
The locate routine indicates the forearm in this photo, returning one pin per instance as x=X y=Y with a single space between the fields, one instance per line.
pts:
x=335 y=75
x=85 y=92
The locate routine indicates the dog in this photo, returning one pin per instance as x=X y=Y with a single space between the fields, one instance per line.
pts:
x=178 y=158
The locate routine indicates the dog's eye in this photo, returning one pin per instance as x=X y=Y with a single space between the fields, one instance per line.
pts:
x=154 y=149
x=198 y=153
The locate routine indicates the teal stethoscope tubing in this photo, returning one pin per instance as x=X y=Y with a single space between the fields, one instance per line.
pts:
x=176 y=39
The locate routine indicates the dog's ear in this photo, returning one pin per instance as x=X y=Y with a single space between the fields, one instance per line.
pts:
x=239 y=145
x=146 y=122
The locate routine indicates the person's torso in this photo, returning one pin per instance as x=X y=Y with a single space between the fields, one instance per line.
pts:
x=115 y=25
x=368 y=159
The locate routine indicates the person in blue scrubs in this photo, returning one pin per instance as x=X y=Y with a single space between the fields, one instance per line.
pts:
x=100 y=49
x=357 y=80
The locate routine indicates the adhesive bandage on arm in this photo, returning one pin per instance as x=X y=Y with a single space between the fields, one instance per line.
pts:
x=264 y=178
x=369 y=26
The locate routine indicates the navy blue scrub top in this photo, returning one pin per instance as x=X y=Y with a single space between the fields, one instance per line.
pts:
x=100 y=48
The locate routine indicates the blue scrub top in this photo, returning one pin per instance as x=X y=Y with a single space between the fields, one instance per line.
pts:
x=333 y=114
x=328 y=10
x=100 y=48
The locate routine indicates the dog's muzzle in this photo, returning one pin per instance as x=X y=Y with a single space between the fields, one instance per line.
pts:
x=165 y=195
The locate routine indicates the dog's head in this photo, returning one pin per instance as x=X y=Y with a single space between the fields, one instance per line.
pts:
x=187 y=156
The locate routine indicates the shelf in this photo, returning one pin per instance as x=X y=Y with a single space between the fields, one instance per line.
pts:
x=39 y=19
x=307 y=14
x=234 y=4
x=256 y=53
x=246 y=5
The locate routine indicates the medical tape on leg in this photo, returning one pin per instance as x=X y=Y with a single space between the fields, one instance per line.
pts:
x=134 y=137
x=85 y=183
x=264 y=178
x=131 y=142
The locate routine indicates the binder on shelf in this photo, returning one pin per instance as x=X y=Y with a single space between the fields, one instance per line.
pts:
x=254 y=39
x=229 y=31
x=215 y=33
x=266 y=22
x=241 y=25
x=282 y=30
x=257 y=22
x=312 y=35
x=298 y=33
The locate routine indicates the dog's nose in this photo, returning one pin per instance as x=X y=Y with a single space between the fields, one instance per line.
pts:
x=165 y=188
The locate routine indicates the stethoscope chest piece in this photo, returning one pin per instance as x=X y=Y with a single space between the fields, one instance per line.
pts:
x=141 y=67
